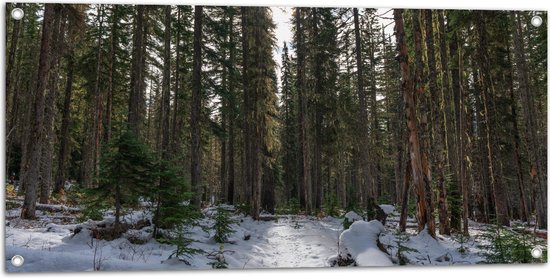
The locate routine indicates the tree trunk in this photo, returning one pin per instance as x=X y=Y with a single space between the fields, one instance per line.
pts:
x=487 y=91
x=405 y=198
x=232 y=116
x=165 y=105
x=36 y=140
x=196 y=104
x=455 y=136
x=523 y=211
x=135 y=116
x=438 y=132
x=420 y=178
x=247 y=140
x=536 y=156
x=46 y=175
x=112 y=61
x=91 y=150
x=165 y=113
x=302 y=102
x=365 y=176
x=10 y=78
x=64 y=135
x=317 y=183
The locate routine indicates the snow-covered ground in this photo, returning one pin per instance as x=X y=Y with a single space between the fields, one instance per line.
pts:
x=49 y=244
x=290 y=241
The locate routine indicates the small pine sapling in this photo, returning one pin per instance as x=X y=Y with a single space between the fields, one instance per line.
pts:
x=182 y=240
x=222 y=225
x=172 y=200
x=508 y=246
x=330 y=205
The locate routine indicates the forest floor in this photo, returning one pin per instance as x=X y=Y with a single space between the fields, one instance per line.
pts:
x=49 y=244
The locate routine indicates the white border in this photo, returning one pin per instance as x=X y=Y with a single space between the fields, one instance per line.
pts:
x=500 y=271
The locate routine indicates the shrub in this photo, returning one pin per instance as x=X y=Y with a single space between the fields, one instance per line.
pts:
x=507 y=246
x=243 y=208
x=182 y=240
x=331 y=205
x=222 y=226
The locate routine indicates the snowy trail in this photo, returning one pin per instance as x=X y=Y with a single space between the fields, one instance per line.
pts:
x=293 y=243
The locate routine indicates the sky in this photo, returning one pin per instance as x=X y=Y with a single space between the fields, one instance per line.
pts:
x=283 y=30
x=283 y=33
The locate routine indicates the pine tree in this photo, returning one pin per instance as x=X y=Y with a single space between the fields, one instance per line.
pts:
x=196 y=109
x=36 y=142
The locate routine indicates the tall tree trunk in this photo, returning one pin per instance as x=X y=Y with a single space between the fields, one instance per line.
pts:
x=64 y=135
x=260 y=28
x=175 y=134
x=46 y=175
x=487 y=95
x=91 y=150
x=112 y=62
x=438 y=132
x=165 y=112
x=536 y=156
x=420 y=178
x=166 y=91
x=455 y=135
x=246 y=158
x=317 y=183
x=232 y=116
x=446 y=92
x=196 y=104
x=365 y=176
x=135 y=116
x=303 y=111
x=375 y=136
x=11 y=79
x=523 y=211
x=36 y=141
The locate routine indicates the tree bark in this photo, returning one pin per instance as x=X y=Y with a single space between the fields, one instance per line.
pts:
x=420 y=178
x=232 y=116
x=36 y=140
x=302 y=102
x=365 y=176
x=91 y=150
x=47 y=159
x=405 y=198
x=536 y=156
x=487 y=91
x=196 y=104
x=135 y=116
x=113 y=40
x=456 y=136
x=64 y=143
x=438 y=132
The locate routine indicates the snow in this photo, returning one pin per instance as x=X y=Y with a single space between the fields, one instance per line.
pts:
x=49 y=244
x=352 y=216
x=360 y=243
x=291 y=241
x=388 y=209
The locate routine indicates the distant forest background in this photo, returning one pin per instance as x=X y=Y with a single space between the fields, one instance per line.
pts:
x=445 y=117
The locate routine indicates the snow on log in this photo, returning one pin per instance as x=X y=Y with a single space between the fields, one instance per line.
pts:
x=360 y=244
x=388 y=209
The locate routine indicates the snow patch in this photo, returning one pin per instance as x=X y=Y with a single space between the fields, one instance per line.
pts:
x=388 y=209
x=360 y=243
x=352 y=216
